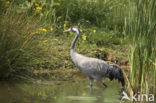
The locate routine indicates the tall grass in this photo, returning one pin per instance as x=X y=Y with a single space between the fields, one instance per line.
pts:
x=140 y=26
x=20 y=45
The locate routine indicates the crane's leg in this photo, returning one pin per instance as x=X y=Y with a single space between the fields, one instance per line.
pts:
x=99 y=78
x=91 y=81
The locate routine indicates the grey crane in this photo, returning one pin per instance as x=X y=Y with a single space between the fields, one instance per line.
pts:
x=94 y=68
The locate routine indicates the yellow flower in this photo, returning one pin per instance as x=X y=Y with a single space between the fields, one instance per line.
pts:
x=43 y=94
x=51 y=28
x=94 y=31
x=54 y=97
x=56 y=39
x=66 y=22
x=83 y=94
x=43 y=29
x=84 y=37
x=39 y=93
x=45 y=41
x=36 y=4
x=8 y=2
x=41 y=14
x=38 y=9
x=65 y=25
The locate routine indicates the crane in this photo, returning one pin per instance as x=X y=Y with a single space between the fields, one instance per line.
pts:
x=94 y=68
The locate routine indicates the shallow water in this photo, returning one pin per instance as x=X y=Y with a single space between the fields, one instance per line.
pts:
x=59 y=92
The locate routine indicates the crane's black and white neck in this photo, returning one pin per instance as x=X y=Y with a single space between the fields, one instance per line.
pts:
x=74 y=41
x=77 y=33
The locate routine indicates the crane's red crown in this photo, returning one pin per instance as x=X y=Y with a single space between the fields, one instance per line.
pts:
x=74 y=27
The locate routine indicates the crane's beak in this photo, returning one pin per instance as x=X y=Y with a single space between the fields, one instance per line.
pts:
x=67 y=30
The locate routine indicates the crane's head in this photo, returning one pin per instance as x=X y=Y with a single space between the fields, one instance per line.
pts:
x=73 y=29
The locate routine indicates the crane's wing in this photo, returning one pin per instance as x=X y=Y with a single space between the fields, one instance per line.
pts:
x=90 y=65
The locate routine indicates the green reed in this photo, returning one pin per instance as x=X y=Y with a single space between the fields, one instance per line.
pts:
x=140 y=26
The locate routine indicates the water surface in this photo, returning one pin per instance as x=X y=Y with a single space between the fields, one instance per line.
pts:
x=59 y=92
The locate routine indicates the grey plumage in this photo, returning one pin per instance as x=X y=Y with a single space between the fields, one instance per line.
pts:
x=94 y=68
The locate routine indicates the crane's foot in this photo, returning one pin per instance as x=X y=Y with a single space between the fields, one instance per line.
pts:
x=104 y=84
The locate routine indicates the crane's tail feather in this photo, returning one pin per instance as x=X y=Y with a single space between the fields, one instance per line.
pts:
x=115 y=72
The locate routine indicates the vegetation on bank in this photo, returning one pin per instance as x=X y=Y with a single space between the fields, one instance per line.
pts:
x=32 y=32
x=32 y=38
